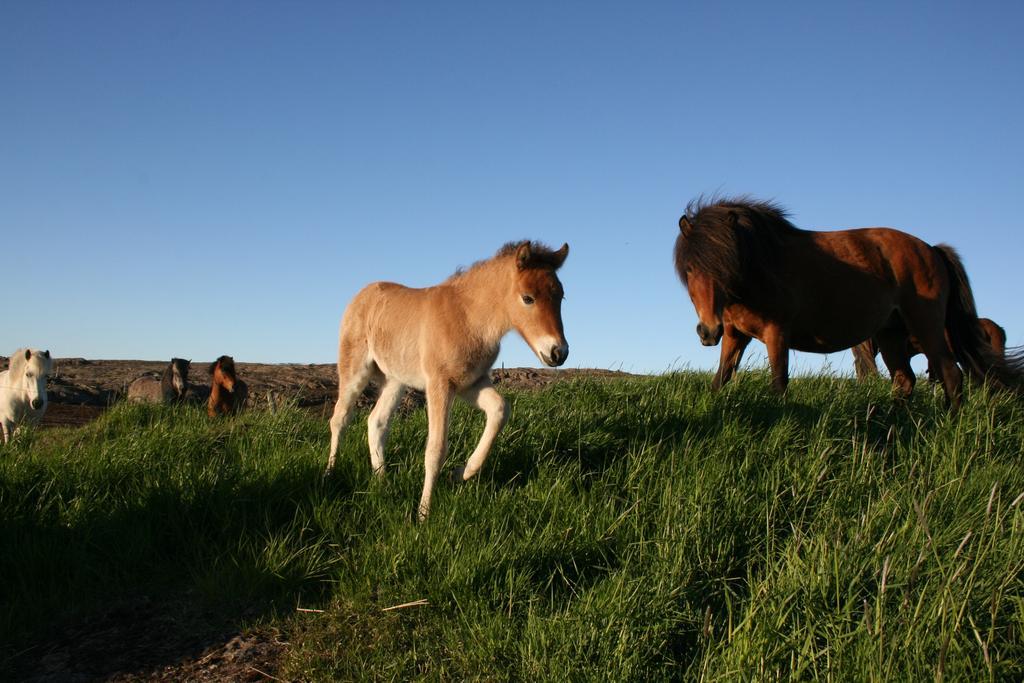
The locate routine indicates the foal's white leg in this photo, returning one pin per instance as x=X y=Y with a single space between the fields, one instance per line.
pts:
x=484 y=396
x=379 y=422
x=7 y=430
x=439 y=407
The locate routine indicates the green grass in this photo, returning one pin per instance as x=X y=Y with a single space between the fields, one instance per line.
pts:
x=641 y=529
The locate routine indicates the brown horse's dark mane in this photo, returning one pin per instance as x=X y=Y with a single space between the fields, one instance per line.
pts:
x=227 y=366
x=735 y=241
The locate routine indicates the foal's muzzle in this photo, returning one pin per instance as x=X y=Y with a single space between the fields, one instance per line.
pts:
x=556 y=355
x=708 y=336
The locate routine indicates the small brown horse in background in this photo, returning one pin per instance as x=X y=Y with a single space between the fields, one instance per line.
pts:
x=443 y=340
x=865 y=352
x=227 y=392
x=751 y=274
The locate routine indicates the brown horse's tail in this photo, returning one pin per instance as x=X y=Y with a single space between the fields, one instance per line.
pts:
x=971 y=346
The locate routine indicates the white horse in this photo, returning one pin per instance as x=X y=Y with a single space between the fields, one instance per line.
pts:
x=443 y=340
x=23 y=390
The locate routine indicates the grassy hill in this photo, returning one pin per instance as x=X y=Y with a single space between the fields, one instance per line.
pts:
x=621 y=530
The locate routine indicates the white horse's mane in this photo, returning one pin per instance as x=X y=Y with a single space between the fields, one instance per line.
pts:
x=18 y=364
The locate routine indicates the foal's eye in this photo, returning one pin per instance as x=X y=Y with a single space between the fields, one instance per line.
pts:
x=527 y=299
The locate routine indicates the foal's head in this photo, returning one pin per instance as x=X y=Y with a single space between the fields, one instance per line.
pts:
x=535 y=302
x=223 y=372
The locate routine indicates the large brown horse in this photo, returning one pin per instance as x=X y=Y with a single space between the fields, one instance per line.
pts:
x=751 y=274
x=865 y=352
x=443 y=340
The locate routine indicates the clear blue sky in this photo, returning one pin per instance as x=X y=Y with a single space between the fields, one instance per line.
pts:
x=199 y=178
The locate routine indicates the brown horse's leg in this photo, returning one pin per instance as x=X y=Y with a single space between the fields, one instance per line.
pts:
x=942 y=367
x=734 y=343
x=926 y=322
x=778 y=358
x=893 y=345
x=864 y=359
x=439 y=406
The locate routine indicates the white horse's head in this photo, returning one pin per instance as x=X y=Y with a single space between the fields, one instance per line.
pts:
x=29 y=371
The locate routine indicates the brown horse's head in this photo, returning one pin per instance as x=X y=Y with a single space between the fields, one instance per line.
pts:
x=725 y=252
x=535 y=303
x=223 y=372
x=705 y=289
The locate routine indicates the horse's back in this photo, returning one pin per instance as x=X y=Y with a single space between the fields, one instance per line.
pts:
x=395 y=328
x=995 y=334
x=147 y=389
x=895 y=260
x=384 y=308
x=867 y=274
x=876 y=250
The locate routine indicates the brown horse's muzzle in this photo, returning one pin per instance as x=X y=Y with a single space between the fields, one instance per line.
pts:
x=708 y=336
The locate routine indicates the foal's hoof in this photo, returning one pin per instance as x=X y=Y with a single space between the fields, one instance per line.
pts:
x=456 y=476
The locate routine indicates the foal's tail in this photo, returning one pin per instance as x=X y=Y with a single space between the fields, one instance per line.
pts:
x=971 y=346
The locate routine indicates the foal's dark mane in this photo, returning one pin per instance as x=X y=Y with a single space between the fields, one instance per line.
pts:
x=541 y=256
x=735 y=241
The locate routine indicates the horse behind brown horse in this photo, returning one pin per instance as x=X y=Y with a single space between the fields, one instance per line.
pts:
x=865 y=352
x=751 y=274
x=170 y=387
x=227 y=392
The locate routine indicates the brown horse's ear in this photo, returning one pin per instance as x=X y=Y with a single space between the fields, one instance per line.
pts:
x=523 y=256
x=28 y=354
x=559 y=256
x=734 y=219
x=685 y=226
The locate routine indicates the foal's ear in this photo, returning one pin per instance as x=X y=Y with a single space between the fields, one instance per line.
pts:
x=685 y=226
x=46 y=353
x=523 y=256
x=28 y=354
x=559 y=256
